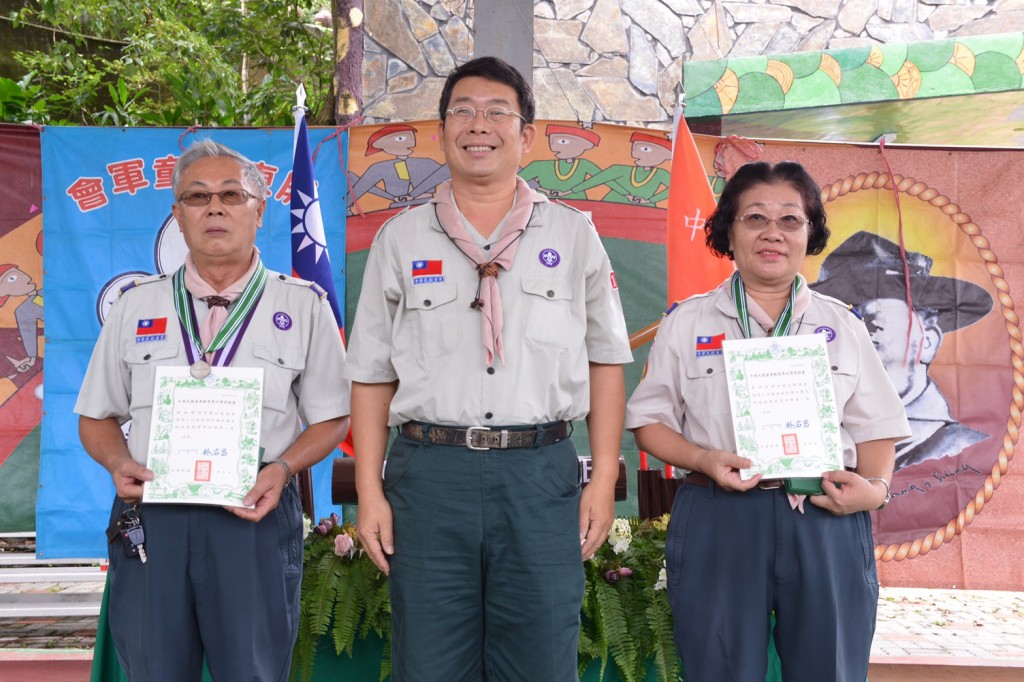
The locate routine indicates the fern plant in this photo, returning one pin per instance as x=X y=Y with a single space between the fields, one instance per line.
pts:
x=625 y=619
x=343 y=594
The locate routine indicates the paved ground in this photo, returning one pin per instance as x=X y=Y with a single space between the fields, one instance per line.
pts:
x=928 y=635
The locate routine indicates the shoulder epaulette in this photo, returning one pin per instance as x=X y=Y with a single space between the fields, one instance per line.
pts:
x=140 y=281
x=842 y=304
x=305 y=283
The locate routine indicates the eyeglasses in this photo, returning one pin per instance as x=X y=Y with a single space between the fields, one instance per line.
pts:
x=786 y=223
x=230 y=197
x=495 y=114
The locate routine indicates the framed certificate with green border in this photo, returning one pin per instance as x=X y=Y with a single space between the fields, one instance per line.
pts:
x=783 y=405
x=204 y=436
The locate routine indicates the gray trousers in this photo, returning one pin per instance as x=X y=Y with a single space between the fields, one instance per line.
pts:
x=487 y=577
x=734 y=557
x=214 y=585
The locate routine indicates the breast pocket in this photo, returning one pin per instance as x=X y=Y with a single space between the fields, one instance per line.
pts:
x=548 y=313
x=705 y=390
x=845 y=369
x=142 y=360
x=282 y=365
x=432 y=311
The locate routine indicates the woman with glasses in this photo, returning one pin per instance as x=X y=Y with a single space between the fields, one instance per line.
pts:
x=739 y=550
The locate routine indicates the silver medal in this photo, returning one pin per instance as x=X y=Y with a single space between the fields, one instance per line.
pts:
x=200 y=369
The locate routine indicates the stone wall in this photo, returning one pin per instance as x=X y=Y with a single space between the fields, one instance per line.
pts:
x=621 y=61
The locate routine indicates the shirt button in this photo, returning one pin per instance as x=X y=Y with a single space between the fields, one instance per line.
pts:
x=281 y=277
x=427 y=303
x=487 y=247
x=834 y=368
x=488 y=415
x=147 y=356
x=710 y=370
x=280 y=361
x=490 y=370
x=551 y=294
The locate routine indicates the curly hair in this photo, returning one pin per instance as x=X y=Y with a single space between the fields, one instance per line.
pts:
x=718 y=225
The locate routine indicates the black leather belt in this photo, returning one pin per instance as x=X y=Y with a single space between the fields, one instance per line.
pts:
x=704 y=481
x=486 y=438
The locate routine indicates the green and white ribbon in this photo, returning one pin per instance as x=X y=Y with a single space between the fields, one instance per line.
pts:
x=240 y=311
x=782 y=325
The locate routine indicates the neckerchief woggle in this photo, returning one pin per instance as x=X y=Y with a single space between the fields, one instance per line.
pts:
x=782 y=325
x=238 y=320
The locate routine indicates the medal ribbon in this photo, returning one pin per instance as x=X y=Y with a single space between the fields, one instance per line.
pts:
x=782 y=325
x=237 y=319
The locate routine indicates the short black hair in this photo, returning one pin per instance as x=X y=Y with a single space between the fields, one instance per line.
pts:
x=717 y=227
x=492 y=69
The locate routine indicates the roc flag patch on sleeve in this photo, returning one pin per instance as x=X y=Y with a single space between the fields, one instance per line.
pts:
x=710 y=345
x=153 y=329
x=427 y=271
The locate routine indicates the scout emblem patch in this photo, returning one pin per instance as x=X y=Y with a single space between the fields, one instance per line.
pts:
x=829 y=332
x=710 y=345
x=549 y=257
x=427 y=271
x=151 y=330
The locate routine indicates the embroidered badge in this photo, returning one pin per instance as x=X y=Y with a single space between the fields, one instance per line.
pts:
x=282 y=321
x=615 y=283
x=427 y=271
x=710 y=345
x=829 y=332
x=154 y=329
x=550 y=258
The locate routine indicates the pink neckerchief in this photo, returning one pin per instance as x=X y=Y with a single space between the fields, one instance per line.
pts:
x=199 y=288
x=489 y=297
x=800 y=305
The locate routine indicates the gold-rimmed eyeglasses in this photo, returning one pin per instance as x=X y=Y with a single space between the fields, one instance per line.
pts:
x=759 y=221
x=494 y=114
x=230 y=197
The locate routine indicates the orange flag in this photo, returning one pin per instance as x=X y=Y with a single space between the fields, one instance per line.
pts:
x=692 y=269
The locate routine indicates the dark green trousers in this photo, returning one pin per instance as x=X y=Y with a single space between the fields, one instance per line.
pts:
x=487 y=577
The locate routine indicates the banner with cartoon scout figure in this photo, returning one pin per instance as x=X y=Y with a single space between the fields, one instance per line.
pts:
x=945 y=223
x=618 y=176
x=21 y=325
x=108 y=223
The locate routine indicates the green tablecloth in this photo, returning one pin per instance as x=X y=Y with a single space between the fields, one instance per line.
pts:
x=364 y=666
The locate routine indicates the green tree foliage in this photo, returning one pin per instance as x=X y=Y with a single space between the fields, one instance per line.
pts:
x=173 y=62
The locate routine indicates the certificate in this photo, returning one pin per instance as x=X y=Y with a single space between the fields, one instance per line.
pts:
x=204 y=436
x=783 y=405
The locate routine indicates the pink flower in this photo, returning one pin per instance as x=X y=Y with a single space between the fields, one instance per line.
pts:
x=343 y=545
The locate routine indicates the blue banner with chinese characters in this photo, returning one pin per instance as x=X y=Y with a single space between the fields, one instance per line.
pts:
x=107 y=219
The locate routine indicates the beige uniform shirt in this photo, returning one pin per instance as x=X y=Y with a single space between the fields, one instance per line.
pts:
x=688 y=393
x=300 y=352
x=561 y=312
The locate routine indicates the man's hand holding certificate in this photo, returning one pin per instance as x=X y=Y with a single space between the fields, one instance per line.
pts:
x=204 y=436
x=783 y=405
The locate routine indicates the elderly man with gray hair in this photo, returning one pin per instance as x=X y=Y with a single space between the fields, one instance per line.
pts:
x=216 y=582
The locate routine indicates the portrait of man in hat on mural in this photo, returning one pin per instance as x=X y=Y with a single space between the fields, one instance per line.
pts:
x=867 y=272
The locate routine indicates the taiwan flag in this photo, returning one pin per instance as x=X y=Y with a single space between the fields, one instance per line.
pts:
x=710 y=345
x=423 y=268
x=310 y=259
x=151 y=327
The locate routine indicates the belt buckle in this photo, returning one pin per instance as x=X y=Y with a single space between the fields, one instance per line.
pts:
x=469 y=437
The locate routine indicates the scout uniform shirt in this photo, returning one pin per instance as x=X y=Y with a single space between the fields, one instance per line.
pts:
x=685 y=389
x=292 y=335
x=414 y=323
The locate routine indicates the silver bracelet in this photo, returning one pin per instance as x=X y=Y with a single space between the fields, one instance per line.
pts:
x=888 y=491
x=288 y=471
